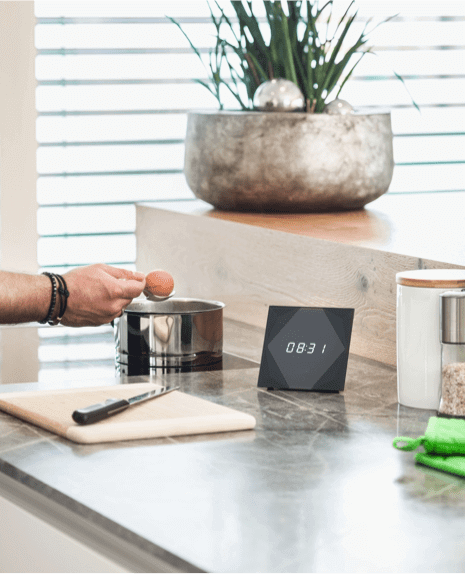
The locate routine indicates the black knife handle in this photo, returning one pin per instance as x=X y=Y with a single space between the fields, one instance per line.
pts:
x=99 y=411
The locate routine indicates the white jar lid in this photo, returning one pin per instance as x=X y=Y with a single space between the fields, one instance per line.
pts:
x=432 y=278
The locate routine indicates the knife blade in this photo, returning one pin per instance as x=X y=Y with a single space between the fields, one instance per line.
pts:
x=99 y=411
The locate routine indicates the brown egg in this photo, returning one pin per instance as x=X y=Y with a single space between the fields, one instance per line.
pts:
x=159 y=283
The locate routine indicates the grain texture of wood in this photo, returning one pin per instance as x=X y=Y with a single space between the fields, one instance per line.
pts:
x=250 y=267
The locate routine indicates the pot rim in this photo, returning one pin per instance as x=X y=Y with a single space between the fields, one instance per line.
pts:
x=143 y=306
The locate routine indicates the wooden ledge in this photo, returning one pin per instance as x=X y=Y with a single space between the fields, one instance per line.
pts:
x=250 y=261
x=422 y=225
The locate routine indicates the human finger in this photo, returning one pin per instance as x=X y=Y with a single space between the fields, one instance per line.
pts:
x=119 y=273
x=130 y=289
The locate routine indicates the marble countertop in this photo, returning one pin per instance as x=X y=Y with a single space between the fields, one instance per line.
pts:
x=316 y=486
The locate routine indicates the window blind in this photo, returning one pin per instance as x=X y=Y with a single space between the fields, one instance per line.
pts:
x=115 y=82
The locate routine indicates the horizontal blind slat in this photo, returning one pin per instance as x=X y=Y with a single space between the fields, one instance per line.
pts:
x=110 y=158
x=53 y=129
x=112 y=143
x=86 y=250
x=205 y=51
x=106 y=21
x=128 y=112
x=428 y=178
x=111 y=189
x=107 y=98
x=86 y=220
x=164 y=35
x=199 y=8
x=164 y=157
x=186 y=68
x=429 y=149
x=115 y=127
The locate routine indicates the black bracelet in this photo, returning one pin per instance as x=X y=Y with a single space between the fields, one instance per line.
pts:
x=64 y=294
x=53 y=299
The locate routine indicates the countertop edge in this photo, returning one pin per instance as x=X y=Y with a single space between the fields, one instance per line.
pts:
x=86 y=525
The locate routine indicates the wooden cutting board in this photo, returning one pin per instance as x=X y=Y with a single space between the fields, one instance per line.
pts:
x=173 y=414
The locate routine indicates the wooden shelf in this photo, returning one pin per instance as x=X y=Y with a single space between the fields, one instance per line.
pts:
x=349 y=259
x=424 y=225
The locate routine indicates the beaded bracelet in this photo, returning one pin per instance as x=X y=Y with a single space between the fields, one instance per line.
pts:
x=52 y=301
x=64 y=294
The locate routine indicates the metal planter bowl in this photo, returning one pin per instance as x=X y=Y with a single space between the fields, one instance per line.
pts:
x=288 y=162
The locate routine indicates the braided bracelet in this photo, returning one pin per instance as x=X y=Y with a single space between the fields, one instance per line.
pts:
x=64 y=294
x=52 y=301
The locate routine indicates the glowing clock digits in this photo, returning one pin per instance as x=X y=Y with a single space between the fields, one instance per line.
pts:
x=302 y=348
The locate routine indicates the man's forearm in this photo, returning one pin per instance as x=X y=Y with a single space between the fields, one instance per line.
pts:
x=24 y=298
x=96 y=294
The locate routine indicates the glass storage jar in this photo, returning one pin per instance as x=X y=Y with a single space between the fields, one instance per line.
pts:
x=452 y=322
x=418 y=341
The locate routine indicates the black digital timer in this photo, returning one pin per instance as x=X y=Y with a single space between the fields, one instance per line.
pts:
x=306 y=348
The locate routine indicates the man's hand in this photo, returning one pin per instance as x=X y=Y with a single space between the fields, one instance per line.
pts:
x=99 y=293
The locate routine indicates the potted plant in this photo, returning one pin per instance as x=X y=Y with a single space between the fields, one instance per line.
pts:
x=286 y=149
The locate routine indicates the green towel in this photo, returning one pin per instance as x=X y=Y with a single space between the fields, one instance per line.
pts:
x=452 y=464
x=443 y=436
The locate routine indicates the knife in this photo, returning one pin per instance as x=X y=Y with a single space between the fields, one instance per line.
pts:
x=99 y=411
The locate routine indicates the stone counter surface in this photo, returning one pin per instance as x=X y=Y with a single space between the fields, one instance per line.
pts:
x=315 y=487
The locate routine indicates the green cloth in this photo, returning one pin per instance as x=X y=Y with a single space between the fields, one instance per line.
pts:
x=452 y=464
x=443 y=436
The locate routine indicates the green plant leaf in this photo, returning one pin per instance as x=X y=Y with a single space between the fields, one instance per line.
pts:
x=274 y=37
x=235 y=94
x=342 y=20
x=260 y=70
x=348 y=75
x=287 y=49
x=228 y=21
x=399 y=77
x=310 y=26
x=408 y=92
x=337 y=69
x=250 y=22
x=296 y=50
x=322 y=9
x=188 y=39
x=339 y=42
x=301 y=74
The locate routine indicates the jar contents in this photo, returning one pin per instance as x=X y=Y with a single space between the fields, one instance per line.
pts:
x=453 y=390
x=452 y=322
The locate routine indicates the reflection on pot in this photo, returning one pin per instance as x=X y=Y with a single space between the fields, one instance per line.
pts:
x=172 y=333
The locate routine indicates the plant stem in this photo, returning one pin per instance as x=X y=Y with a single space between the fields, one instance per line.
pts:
x=270 y=70
x=252 y=68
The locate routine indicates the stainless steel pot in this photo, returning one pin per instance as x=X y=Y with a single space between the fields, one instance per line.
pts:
x=171 y=333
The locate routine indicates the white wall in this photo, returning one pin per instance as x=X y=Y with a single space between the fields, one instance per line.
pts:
x=18 y=175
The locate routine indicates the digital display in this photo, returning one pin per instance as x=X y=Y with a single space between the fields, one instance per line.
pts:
x=306 y=348
x=302 y=348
